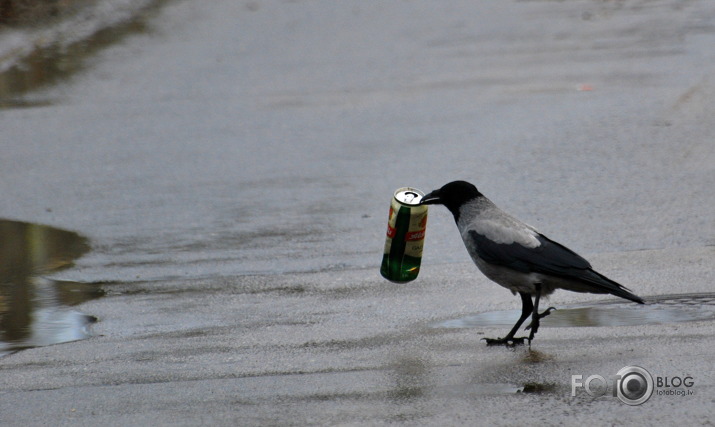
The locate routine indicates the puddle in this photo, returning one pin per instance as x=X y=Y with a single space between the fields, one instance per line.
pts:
x=34 y=310
x=659 y=310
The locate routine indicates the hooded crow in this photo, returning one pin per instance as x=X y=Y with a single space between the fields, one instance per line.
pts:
x=514 y=255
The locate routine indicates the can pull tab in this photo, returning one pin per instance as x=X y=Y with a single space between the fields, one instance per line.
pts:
x=410 y=197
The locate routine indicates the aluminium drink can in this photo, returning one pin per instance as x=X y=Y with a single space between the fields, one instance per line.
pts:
x=405 y=236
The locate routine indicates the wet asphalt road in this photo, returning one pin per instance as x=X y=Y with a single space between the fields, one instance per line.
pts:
x=232 y=167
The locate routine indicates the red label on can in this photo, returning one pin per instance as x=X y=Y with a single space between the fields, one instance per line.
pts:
x=415 y=235
x=391 y=231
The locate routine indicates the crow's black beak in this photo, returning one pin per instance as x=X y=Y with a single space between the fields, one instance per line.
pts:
x=431 y=198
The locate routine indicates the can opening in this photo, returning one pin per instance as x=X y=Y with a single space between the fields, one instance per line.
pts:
x=409 y=196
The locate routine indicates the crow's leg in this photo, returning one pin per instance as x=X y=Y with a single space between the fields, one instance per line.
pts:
x=535 y=315
x=509 y=340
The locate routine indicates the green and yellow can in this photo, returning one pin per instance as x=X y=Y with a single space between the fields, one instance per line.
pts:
x=405 y=236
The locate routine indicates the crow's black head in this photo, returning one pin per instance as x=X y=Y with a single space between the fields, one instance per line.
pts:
x=453 y=196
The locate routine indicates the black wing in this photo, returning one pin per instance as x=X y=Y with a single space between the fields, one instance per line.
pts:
x=549 y=258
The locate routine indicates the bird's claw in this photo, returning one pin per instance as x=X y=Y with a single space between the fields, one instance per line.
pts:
x=513 y=342
x=541 y=316
x=506 y=342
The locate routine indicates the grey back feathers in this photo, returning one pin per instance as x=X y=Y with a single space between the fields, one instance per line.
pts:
x=484 y=217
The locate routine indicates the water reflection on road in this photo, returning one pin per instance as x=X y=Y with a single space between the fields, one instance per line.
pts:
x=34 y=310
x=658 y=310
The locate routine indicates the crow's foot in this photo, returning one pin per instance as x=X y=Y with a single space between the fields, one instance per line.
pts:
x=541 y=316
x=507 y=342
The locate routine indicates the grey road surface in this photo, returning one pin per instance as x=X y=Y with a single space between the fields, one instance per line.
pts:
x=232 y=163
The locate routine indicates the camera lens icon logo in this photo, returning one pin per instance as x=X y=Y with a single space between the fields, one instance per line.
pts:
x=635 y=385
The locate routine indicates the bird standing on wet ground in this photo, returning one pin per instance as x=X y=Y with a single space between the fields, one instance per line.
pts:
x=516 y=256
